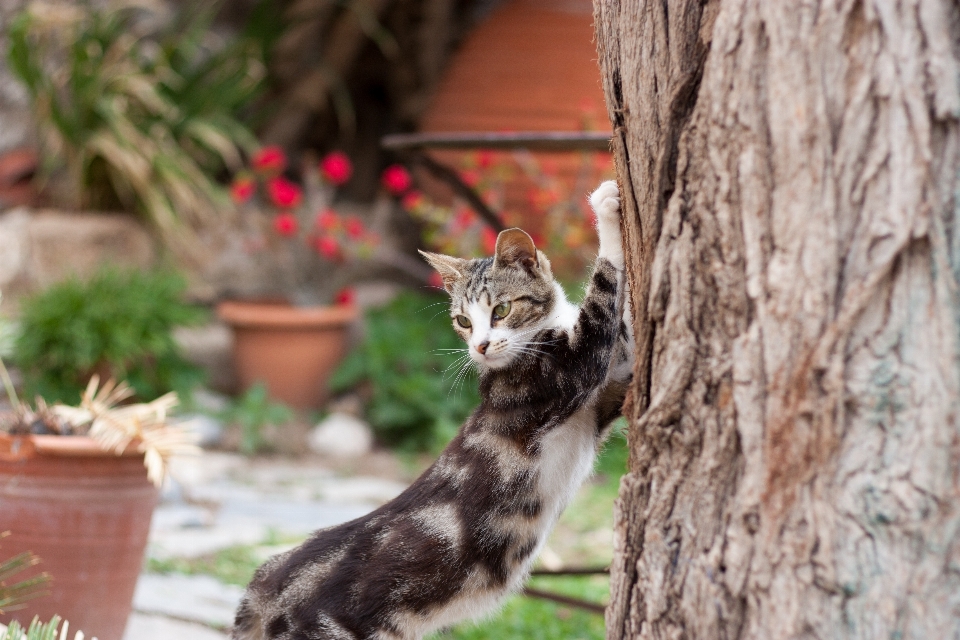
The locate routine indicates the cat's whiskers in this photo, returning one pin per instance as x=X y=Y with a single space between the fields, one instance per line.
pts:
x=456 y=363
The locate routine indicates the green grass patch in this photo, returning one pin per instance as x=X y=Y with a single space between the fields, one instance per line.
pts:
x=233 y=565
x=535 y=619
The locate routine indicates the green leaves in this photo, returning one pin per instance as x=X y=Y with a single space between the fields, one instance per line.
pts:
x=408 y=365
x=13 y=595
x=253 y=412
x=140 y=120
x=117 y=324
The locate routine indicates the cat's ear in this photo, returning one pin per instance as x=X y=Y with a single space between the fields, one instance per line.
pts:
x=515 y=247
x=450 y=269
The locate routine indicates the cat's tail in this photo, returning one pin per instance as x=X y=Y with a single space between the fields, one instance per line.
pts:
x=247 y=624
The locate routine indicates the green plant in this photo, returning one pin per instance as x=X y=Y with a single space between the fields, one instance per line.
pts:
x=253 y=412
x=13 y=595
x=418 y=391
x=138 y=118
x=117 y=324
x=39 y=631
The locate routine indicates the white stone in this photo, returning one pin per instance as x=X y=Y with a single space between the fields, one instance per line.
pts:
x=200 y=598
x=341 y=435
x=143 y=626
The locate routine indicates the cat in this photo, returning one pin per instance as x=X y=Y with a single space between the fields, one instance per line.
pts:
x=466 y=532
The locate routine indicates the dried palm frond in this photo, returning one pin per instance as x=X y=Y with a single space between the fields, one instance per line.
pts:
x=13 y=595
x=144 y=425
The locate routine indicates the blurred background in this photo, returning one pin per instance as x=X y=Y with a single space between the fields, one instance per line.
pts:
x=224 y=200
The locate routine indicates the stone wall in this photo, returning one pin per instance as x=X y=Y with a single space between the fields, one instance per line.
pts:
x=40 y=248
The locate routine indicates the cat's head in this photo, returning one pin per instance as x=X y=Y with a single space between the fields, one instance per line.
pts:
x=499 y=304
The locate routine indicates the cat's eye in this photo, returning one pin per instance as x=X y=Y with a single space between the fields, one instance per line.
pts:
x=501 y=310
x=464 y=322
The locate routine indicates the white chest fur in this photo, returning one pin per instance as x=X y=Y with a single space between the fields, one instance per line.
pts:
x=566 y=460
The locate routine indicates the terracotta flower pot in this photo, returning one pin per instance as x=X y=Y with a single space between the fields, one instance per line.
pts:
x=292 y=350
x=86 y=514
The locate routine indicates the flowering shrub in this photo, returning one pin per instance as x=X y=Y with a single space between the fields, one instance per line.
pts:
x=545 y=197
x=296 y=225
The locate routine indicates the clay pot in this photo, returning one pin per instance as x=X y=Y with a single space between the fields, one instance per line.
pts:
x=531 y=65
x=17 y=168
x=86 y=514
x=292 y=350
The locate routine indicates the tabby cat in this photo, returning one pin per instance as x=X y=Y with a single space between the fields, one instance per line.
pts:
x=464 y=534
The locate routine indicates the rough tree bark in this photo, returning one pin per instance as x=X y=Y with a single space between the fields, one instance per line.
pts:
x=790 y=173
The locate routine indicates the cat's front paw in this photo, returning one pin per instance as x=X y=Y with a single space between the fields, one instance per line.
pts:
x=606 y=204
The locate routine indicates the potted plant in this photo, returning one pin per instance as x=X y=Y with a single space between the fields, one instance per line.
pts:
x=80 y=494
x=293 y=337
x=136 y=109
x=78 y=481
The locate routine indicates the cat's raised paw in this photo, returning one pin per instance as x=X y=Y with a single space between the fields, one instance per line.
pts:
x=606 y=202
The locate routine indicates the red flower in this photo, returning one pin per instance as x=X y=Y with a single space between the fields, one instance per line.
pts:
x=336 y=167
x=285 y=224
x=269 y=160
x=355 y=228
x=485 y=159
x=284 y=193
x=328 y=219
x=328 y=247
x=489 y=239
x=242 y=189
x=463 y=219
x=396 y=179
x=412 y=200
x=471 y=177
x=346 y=296
x=436 y=280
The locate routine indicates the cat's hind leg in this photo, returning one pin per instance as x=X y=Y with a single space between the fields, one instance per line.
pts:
x=247 y=624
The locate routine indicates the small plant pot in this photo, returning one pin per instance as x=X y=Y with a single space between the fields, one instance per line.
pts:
x=85 y=513
x=292 y=350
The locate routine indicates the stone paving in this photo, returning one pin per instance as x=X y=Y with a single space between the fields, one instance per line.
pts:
x=220 y=500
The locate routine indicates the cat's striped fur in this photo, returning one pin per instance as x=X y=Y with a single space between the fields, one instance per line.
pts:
x=465 y=533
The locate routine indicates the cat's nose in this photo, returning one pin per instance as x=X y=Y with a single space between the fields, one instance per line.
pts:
x=482 y=347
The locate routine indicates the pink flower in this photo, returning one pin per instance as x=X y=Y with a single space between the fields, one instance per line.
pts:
x=436 y=280
x=328 y=219
x=284 y=193
x=336 y=167
x=269 y=160
x=489 y=239
x=346 y=296
x=285 y=224
x=412 y=200
x=355 y=228
x=242 y=189
x=396 y=179
x=328 y=247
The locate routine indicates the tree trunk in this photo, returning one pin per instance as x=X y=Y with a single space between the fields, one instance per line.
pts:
x=790 y=176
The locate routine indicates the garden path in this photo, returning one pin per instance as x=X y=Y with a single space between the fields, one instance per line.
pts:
x=221 y=501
